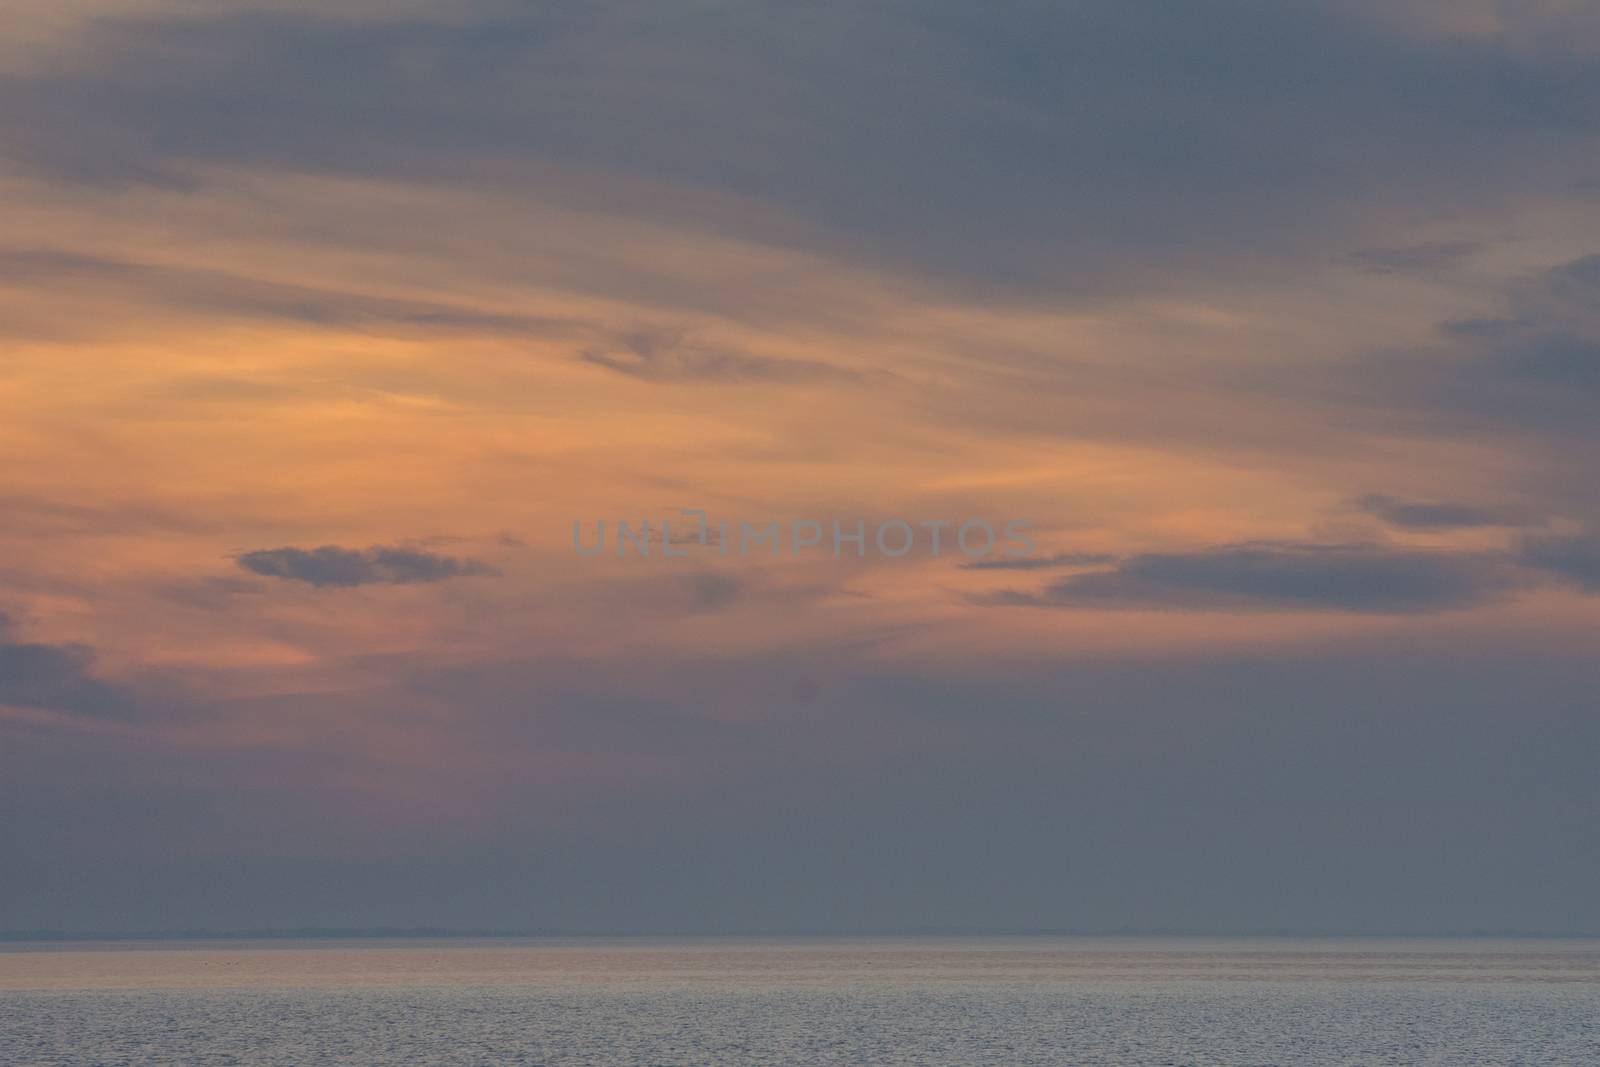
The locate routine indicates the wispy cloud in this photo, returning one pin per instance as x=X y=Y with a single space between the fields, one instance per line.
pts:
x=331 y=565
x=1285 y=576
x=224 y=295
x=1039 y=563
x=1406 y=258
x=657 y=357
x=1428 y=515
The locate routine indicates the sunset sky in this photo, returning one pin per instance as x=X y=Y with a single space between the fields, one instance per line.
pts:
x=322 y=322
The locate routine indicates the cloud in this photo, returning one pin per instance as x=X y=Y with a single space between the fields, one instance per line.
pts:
x=656 y=357
x=56 y=678
x=1575 y=558
x=1525 y=352
x=331 y=565
x=52 y=516
x=1409 y=258
x=1420 y=515
x=1532 y=371
x=1552 y=336
x=222 y=293
x=885 y=169
x=1084 y=144
x=1568 y=291
x=710 y=591
x=761 y=594
x=1285 y=576
x=1036 y=563
x=1157 y=778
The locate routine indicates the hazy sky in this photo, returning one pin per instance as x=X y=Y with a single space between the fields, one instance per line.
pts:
x=321 y=322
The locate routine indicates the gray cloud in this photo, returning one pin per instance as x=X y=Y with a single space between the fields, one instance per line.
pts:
x=1424 y=515
x=1396 y=783
x=1533 y=372
x=50 y=515
x=1085 y=144
x=1530 y=375
x=658 y=357
x=225 y=294
x=1552 y=337
x=1568 y=293
x=1284 y=576
x=710 y=591
x=1574 y=558
x=331 y=565
x=1036 y=563
x=702 y=592
x=56 y=678
x=1407 y=258
x=1525 y=353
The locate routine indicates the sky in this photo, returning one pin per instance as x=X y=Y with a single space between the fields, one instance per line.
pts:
x=323 y=323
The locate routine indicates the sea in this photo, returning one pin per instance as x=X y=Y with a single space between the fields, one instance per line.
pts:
x=683 y=1002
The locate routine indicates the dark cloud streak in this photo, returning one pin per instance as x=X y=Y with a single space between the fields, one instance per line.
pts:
x=333 y=566
x=1037 y=563
x=231 y=295
x=655 y=357
x=1430 y=515
x=1283 y=576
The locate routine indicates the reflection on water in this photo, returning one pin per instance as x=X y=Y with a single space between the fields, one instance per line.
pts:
x=958 y=1001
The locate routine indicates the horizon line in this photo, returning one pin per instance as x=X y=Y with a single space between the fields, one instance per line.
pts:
x=319 y=933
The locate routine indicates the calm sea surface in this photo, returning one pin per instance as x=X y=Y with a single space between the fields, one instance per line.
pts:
x=952 y=1001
